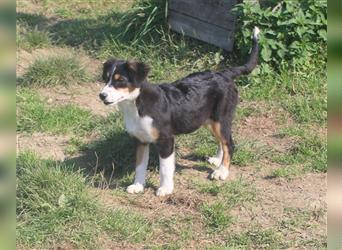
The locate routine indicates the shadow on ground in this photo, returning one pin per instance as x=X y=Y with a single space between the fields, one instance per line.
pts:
x=113 y=158
x=88 y=33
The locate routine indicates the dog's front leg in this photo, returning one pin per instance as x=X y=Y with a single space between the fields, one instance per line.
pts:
x=142 y=156
x=166 y=166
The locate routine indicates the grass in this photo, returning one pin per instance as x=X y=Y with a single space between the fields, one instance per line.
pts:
x=54 y=207
x=215 y=216
x=287 y=172
x=255 y=238
x=55 y=70
x=303 y=95
x=229 y=195
x=30 y=39
x=35 y=116
x=245 y=153
x=310 y=149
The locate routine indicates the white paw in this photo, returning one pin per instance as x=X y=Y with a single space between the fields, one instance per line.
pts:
x=162 y=191
x=135 y=188
x=215 y=161
x=221 y=173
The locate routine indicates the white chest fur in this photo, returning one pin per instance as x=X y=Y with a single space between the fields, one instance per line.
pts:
x=139 y=127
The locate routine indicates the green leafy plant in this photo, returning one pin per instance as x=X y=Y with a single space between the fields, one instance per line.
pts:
x=293 y=32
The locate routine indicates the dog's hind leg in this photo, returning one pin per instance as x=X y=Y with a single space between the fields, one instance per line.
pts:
x=224 y=137
x=142 y=156
x=217 y=159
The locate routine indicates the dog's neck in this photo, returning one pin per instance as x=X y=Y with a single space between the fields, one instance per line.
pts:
x=128 y=107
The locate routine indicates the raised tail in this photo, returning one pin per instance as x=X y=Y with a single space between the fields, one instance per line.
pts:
x=252 y=61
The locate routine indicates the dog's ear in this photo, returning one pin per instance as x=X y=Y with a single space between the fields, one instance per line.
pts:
x=108 y=62
x=137 y=71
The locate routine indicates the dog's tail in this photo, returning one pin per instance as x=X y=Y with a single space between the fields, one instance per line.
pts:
x=252 y=61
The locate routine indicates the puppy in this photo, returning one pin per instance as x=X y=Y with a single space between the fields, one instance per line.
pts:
x=155 y=113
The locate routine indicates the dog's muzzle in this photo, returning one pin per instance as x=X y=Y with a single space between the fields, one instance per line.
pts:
x=103 y=97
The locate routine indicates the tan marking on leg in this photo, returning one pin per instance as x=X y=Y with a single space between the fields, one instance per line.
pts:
x=139 y=154
x=226 y=156
x=216 y=130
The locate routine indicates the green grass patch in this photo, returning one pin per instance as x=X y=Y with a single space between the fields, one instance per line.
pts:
x=55 y=70
x=310 y=150
x=229 y=195
x=296 y=220
x=302 y=94
x=216 y=216
x=246 y=152
x=246 y=111
x=288 y=172
x=236 y=192
x=256 y=238
x=180 y=227
x=54 y=208
x=307 y=109
x=35 y=116
x=30 y=39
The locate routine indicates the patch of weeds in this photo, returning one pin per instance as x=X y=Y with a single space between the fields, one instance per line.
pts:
x=210 y=188
x=255 y=239
x=180 y=227
x=232 y=193
x=215 y=216
x=287 y=172
x=30 y=39
x=55 y=70
x=35 y=116
x=244 y=112
x=238 y=192
x=310 y=150
x=245 y=153
x=126 y=225
x=74 y=145
x=296 y=218
x=53 y=200
x=64 y=12
x=303 y=95
x=318 y=243
x=307 y=109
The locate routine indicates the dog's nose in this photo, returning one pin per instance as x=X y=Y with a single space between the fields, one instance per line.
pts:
x=103 y=96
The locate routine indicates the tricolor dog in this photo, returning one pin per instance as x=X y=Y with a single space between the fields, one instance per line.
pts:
x=155 y=113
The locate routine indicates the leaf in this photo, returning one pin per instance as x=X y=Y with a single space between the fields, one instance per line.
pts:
x=323 y=34
x=266 y=54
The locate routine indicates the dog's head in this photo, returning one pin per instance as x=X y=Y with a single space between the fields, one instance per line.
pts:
x=123 y=80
